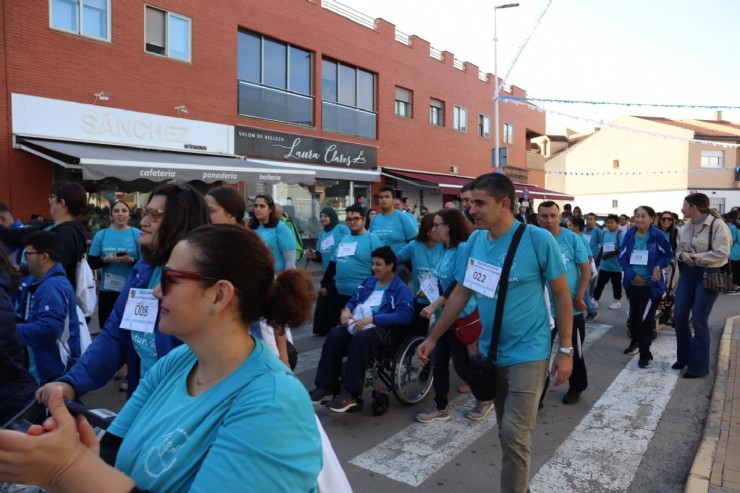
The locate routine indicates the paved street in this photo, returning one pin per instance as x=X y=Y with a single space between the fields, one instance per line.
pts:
x=634 y=430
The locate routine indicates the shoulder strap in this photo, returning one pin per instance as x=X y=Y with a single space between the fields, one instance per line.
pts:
x=502 y=285
x=711 y=226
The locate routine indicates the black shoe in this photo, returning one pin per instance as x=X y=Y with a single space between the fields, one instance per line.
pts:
x=571 y=397
x=678 y=366
x=633 y=348
x=318 y=395
x=591 y=317
x=644 y=361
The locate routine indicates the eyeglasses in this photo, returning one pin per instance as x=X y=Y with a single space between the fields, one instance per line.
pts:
x=52 y=197
x=154 y=215
x=26 y=253
x=354 y=219
x=169 y=274
x=437 y=225
x=666 y=219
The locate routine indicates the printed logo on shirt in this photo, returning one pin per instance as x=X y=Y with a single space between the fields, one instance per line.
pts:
x=163 y=456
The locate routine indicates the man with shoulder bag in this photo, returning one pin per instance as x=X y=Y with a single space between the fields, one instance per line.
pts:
x=505 y=267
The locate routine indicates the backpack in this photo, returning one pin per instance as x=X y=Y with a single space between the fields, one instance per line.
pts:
x=298 y=241
x=85 y=293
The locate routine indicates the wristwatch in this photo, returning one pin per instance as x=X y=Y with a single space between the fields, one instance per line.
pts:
x=567 y=350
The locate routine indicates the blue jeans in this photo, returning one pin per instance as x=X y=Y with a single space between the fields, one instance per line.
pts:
x=692 y=298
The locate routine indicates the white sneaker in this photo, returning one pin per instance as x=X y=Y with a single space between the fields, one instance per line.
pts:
x=615 y=305
x=594 y=302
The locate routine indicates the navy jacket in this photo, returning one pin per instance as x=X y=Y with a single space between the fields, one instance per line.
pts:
x=48 y=308
x=659 y=253
x=113 y=346
x=397 y=306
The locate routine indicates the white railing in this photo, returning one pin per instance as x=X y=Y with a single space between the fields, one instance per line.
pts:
x=349 y=13
x=435 y=53
x=482 y=76
x=402 y=37
x=458 y=64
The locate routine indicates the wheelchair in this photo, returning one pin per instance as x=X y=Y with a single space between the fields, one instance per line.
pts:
x=396 y=369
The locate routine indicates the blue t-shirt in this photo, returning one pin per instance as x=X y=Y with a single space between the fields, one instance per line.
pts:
x=595 y=238
x=254 y=430
x=328 y=242
x=611 y=241
x=278 y=239
x=423 y=261
x=641 y=244
x=444 y=273
x=573 y=251
x=395 y=229
x=526 y=325
x=354 y=261
x=109 y=241
x=145 y=343
x=586 y=243
x=735 y=248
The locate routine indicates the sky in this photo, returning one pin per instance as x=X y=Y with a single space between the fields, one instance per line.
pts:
x=670 y=52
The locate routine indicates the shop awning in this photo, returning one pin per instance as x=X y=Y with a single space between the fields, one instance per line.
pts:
x=447 y=184
x=100 y=161
x=323 y=172
x=451 y=184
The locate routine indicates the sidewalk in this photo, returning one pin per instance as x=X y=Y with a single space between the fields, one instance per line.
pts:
x=716 y=467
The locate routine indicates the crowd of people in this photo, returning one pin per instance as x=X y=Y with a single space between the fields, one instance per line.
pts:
x=199 y=300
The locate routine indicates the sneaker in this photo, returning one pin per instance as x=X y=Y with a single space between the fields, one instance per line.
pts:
x=615 y=305
x=591 y=317
x=733 y=292
x=571 y=397
x=633 y=348
x=433 y=414
x=318 y=395
x=644 y=361
x=594 y=302
x=481 y=410
x=343 y=402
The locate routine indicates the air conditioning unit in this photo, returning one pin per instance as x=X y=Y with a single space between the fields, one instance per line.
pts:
x=454 y=169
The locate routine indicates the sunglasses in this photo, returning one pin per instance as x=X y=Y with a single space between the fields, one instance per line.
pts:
x=168 y=275
x=666 y=219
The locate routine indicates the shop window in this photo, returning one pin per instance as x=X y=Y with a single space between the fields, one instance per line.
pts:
x=437 y=112
x=348 y=100
x=484 y=126
x=508 y=134
x=460 y=119
x=274 y=80
x=404 y=99
x=167 y=34
x=90 y=18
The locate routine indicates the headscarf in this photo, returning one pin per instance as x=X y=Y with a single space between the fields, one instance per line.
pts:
x=333 y=218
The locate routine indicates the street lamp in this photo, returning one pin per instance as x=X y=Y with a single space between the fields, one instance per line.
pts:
x=497 y=152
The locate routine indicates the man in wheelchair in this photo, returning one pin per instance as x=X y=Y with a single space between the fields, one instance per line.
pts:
x=380 y=302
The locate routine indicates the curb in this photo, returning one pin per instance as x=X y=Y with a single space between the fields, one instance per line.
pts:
x=701 y=470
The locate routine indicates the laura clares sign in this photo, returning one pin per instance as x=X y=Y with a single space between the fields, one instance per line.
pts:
x=257 y=143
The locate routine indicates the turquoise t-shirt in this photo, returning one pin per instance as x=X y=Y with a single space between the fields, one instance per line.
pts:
x=423 y=261
x=145 y=343
x=354 y=261
x=376 y=297
x=255 y=430
x=395 y=229
x=526 y=325
x=640 y=244
x=278 y=239
x=613 y=242
x=594 y=237
x=586 y=243
x=573 y=251
x=444 y=273
x=109 y=241
x=735 y=238
x=328 y=242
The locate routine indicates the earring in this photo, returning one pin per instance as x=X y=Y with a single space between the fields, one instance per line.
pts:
x=213 y=310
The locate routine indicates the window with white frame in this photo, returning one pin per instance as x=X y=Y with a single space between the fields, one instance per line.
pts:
x=508 y=133
x=484 y=126
x=712 y=159
x=717 y=203
x=436 y=112
x=404 y=99
x=460 y=119
x=90 y=18
x=167 y=34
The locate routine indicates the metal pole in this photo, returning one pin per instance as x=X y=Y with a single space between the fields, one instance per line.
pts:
x=497 y=153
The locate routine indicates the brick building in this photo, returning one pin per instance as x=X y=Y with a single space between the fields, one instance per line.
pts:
x=306 y=100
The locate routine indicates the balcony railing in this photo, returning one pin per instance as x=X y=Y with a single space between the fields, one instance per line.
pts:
x=348 y=120
x=275 y=104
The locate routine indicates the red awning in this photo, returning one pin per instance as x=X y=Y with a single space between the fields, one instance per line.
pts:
x=451 y=184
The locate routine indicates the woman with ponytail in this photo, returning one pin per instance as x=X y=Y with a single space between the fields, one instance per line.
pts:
x=221 y=406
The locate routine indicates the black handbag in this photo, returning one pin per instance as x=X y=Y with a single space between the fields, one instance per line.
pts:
x=482 y=379
x=717 y=282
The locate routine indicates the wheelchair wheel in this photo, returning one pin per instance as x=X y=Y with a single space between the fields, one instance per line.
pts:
x=408 y=387
x=381 y=402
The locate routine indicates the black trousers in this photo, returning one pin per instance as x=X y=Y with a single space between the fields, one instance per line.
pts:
x=327 y=311
x=448 y=347
x=603 y=280
x=106 y=302
x=578 y=380
x=642 y=316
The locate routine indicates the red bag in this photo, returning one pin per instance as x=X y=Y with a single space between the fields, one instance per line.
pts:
x=467 y=329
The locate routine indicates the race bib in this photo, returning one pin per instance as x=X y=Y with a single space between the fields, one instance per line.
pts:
x=346 y=249
x=639 y=257
x=141 y=310
x=113 y=282
x=375 y=298
x=481 y=277
x=430 y=288
x=609 y=247
x=327 y=243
